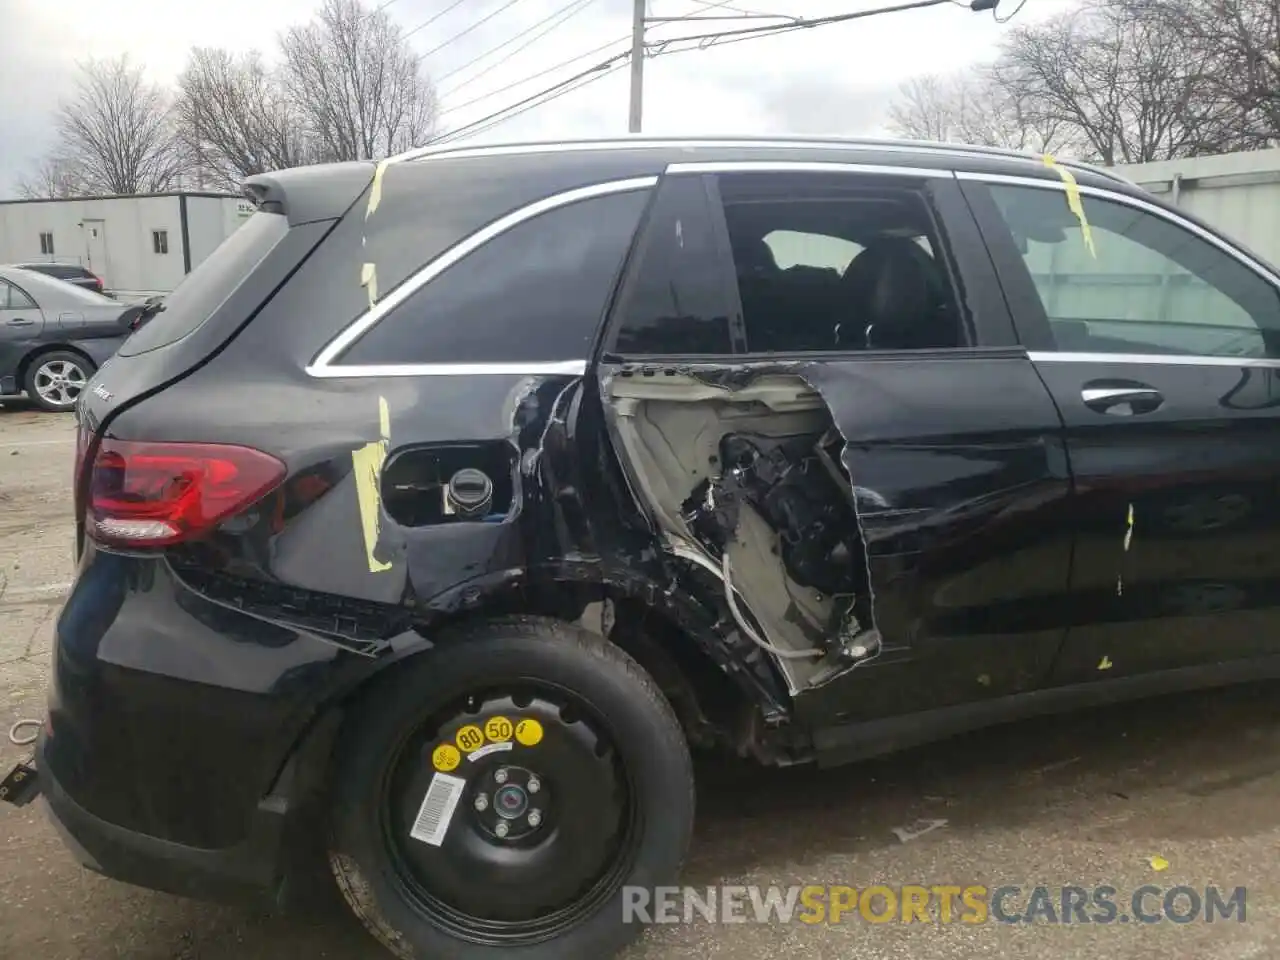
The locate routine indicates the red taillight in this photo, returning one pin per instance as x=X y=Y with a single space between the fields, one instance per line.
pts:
x=157 y=494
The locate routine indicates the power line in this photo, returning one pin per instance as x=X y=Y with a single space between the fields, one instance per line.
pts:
x=471 y=130
x=430 y=21
x=659 y=48
x=535 y=76
x=708 y=40
x=569 y=11
x=578 y=80
x=461 y=33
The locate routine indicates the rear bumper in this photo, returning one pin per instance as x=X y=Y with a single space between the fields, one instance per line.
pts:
x=252 y=871
x=8 y=385
x=187 y=742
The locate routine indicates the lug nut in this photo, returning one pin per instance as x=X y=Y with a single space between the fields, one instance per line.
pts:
x=535 y=817
x=501 y=828
x=534 y=785
x=482 y=802
x=500 y=775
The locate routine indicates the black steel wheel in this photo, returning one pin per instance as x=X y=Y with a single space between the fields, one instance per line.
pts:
x=496 y=796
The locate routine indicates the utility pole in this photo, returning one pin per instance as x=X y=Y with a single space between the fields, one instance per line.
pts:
x=637 y=66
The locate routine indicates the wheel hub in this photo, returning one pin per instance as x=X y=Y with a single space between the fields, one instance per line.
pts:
x=517 y=807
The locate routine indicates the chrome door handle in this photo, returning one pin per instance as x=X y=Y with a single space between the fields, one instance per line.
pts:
x=1122 y=401
x=22 y=322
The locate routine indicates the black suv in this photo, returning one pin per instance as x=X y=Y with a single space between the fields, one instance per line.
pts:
x=72 y=273
x=452 y=500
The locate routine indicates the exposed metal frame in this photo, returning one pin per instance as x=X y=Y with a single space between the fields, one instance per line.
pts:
x=324 y=363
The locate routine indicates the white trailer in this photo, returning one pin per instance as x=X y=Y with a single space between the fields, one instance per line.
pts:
x=139 y=245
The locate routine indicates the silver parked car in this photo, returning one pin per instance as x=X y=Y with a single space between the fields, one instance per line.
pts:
x=54 y=335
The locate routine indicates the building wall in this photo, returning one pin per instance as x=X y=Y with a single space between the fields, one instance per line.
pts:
x=210 y=220
x=124 y=254
x=1239 y=193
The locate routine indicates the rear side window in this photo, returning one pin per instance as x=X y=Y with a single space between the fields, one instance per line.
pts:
x=535 y=293
x=198 y=296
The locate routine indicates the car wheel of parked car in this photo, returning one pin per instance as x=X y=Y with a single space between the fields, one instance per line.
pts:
x=55 y=380
x=496 y=796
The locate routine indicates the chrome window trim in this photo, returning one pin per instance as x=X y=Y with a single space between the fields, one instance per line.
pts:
x=1181 y=360
x=804 y=166
x=325 y=363
x=1137 y=203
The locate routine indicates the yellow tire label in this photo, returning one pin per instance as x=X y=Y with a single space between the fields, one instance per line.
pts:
x=446 y=757
x=469 y=738
x=498 y=729
x=529 y=732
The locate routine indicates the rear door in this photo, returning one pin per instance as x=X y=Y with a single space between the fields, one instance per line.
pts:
x=951 y=441
x=1161 y=345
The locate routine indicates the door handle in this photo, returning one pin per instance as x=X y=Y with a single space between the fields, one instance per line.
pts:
x=22 y=322
x=1122 y=401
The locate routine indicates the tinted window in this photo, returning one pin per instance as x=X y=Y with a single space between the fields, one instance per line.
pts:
x=534 y=293
x=58 y=293
x=838 y=263
x=677 y=302
x=1147 y=286
x=198 y=296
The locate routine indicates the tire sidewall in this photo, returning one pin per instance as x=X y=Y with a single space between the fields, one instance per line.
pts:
x=641 y=726
x=48 y=357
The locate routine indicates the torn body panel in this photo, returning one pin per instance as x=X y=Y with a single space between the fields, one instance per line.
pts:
x=927 y=584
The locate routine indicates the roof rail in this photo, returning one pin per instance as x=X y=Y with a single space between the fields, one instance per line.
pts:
x=444 y=151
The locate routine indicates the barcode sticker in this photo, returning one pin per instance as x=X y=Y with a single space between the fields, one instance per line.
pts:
x=437 y=809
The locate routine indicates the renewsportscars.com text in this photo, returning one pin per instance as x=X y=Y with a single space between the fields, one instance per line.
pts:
x=939 y=903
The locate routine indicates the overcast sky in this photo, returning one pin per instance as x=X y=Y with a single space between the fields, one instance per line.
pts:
x=832 y=80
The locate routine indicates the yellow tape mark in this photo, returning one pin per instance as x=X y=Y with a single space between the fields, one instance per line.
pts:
x=446 y=757
x=498 y=729
x=529 y=732
x=469 y=738
x=367 y=462
x=1158 y=863
x=1074 y=202
x=369 y=280
x=1128 y=534
x=375 y=191
x=1105 y=663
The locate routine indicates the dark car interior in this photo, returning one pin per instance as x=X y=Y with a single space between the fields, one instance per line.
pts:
x=893 y=295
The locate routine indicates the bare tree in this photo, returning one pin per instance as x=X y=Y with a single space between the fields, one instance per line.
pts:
x=987 y=106
x=361 y=88
x=117 y=131
x=928 y=108
x=1241 y=39
x=1127 y=78
x=55 y=177
x=237 y=117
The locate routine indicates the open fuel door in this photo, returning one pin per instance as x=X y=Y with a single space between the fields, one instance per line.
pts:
x=813 y=386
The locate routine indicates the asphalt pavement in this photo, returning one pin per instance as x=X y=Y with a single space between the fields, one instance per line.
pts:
x=1179 y=792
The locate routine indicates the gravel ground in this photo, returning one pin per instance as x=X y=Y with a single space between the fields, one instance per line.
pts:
x=1081 y=800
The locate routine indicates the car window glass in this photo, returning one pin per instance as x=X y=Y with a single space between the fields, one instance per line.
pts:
x=11 y=298
x=1147 y=285
x=792 y=248
x=837 y=264
x=676 y=302
x=535 y=293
